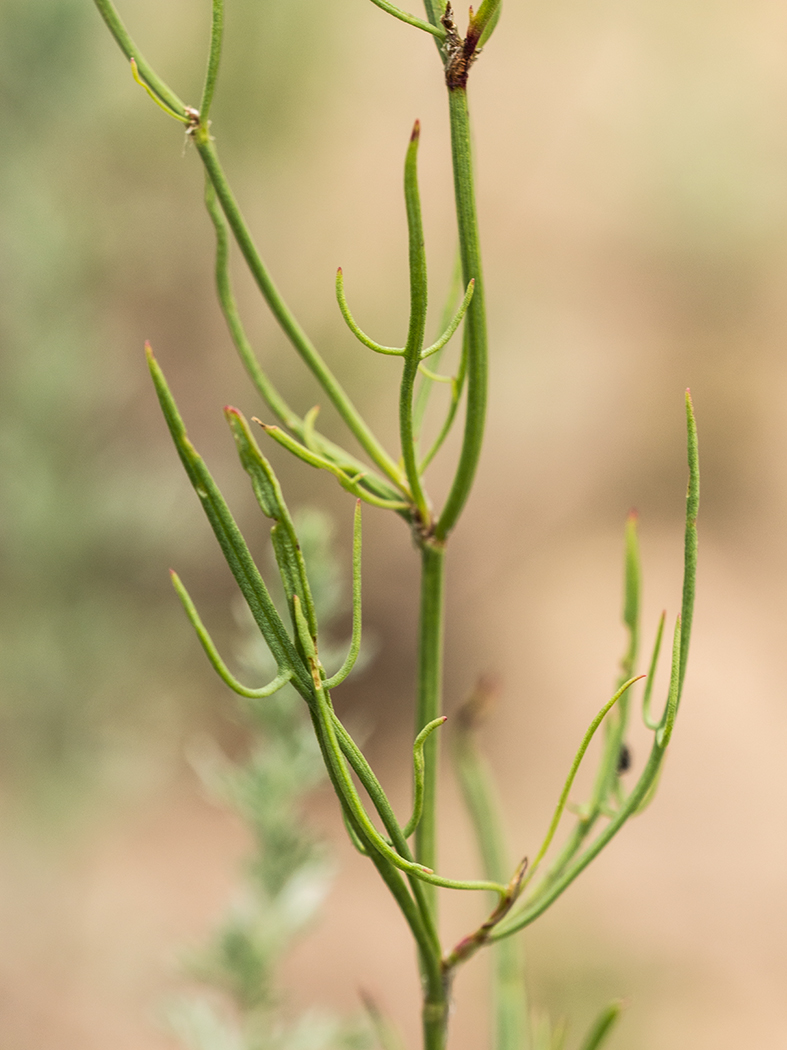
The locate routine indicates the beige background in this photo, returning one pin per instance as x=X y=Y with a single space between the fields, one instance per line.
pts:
x=632 y=180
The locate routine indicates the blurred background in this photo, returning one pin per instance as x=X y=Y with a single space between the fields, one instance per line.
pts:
x=632 y=181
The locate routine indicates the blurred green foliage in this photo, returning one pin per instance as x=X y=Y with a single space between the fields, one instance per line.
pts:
x=90 y=636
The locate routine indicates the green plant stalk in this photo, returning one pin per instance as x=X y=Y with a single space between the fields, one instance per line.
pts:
x=509 y=989
x=434 y=10
x=425 y=388
x=543 y=901
x=602 y=1026
x=475 y=318
x=288 y=323
x=285 y=318
x=417 y=326
x=214 y=57
x=265 y=388
x=429 y=694
x=120 y=33
x=428 y=708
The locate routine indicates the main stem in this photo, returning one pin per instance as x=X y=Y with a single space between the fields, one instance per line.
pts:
x=475 y=318
x=428 y=707
x=430 y=638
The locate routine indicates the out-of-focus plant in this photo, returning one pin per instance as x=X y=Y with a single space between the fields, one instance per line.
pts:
x=289 y=873
x=522 y=891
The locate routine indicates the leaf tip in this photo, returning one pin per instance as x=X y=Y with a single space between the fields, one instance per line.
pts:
x=416 y=133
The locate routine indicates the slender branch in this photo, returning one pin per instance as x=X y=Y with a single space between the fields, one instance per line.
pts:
x=690 y=542
x=457 y=386
x=573 y=772
x=230 y=539
x=348 y=793
x=352 y=484
x=355 y=640
x=602 y=1026
x=360 y=335
x=281 y=679
x=429 y=694
x=265 y=388
x=118 y=30
x=418 y=777
x=424 y=390
x=285 y=318
x=646 y=717
x=412 y=20
x=417 y=326
x=475 y=318
x=456 y=320
x=214 y=56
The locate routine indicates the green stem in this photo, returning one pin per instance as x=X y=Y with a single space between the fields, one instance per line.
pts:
x=531 y=911
x=285 y=318
x=115 y=25
x=212 y=72
x=415 y=334
x=429 y=698
x=475 y=318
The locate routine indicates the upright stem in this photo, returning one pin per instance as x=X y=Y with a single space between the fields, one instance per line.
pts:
x=475 y=318
x=429 y=698
x=428 y=707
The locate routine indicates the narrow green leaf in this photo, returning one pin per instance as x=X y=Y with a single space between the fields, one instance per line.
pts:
x=456 y=320
x=118 y=30
x=416 y=328
x=352 y=484
x=347 y=792
x=418 y=775
x=271 y=500
x=265 y=388
x=646 y=717
x=281 y=679
x=285 y=318
x=355 y=640
x=214 y=57
x=690 y=545
x=602 y=1026
x=664 y=732
x=573 y=772
x=360 y=335
x=631 y=599
x=412 y=20
x=483 y=22
x=230 y=539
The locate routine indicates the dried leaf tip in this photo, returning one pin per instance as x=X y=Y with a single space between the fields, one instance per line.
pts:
x=416 y=134
x=149 y=352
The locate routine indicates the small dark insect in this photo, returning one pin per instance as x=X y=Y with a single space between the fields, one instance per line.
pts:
x=624 y=759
